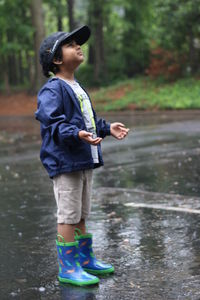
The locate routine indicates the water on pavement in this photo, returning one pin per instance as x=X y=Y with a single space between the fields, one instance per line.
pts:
x=145 y=212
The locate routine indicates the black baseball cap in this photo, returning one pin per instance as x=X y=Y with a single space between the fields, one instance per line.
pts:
x=50 y=44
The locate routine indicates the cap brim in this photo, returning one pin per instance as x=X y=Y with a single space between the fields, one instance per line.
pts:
x=80 y=35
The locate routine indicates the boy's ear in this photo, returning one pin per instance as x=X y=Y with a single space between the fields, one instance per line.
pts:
x=57 y=62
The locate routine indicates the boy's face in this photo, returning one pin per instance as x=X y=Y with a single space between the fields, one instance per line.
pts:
x=72 y=55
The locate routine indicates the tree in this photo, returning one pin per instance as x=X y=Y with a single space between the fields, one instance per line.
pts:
x=135 y=39
x=59 y=15
x=70 y=8
x=54 y=10
x=38 y=24
x=178 y=28
x=96 y=51
x=16 y=41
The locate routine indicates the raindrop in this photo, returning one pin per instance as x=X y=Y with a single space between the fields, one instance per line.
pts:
x=13 y=294
x=126 y=241
x=15 y=175
x=194 y=235
x=21 y=280
x=112 y=214
x=127 y=265
x=117 y=220
x=20 y=234
x=23 y=206
x=41 y=289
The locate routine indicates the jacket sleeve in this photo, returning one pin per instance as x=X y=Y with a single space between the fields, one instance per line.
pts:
x=103 y=128
x=51 y=115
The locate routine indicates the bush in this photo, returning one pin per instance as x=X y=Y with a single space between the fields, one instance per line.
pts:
x=165 y=64
x=85 y=74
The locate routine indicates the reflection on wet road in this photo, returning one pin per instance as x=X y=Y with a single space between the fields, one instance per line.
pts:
x=145 y=213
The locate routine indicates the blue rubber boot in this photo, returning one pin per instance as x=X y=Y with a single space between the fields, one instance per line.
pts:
x=87 y=258
x=70 y=270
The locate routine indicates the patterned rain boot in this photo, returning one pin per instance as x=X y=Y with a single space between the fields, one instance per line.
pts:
x=87 y=258
x=70 y=270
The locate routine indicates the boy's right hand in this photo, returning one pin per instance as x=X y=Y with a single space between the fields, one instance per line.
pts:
x=87 y=137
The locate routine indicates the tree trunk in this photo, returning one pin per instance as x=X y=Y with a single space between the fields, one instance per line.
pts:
x=5 y=75
x=11 y=62
x=38 y=24
x=30 y=73
x=11 y=69
x=91 y=58
x=96 y=51
x=21 y=69
x=193 y=54
x=59 y=15
x=70 y=6
x=17 y=67
x=99 y=47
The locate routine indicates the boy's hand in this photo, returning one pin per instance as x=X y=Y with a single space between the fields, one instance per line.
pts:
x=87 y=137
x=118 y=130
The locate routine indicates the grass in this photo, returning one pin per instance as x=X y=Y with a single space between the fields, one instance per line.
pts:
x=143 y=93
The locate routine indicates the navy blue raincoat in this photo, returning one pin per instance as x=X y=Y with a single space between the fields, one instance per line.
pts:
x=61 y=119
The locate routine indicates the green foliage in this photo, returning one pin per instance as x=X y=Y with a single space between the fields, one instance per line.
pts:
x=52 y=10
x=16 y=31
x=135 y=38
x=16 y=39
x=177 y=28
x=143 y=93
x=85 y=75
x=177 y=20
x=131 y=30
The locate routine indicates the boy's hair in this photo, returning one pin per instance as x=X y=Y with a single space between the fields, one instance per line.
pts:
x=49 y=68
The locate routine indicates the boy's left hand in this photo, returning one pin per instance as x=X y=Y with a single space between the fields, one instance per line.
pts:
x=118 y=130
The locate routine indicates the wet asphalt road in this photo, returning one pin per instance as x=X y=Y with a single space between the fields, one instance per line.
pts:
x=145 y=212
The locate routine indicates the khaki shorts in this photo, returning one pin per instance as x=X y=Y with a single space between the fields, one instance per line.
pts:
x=73 y=193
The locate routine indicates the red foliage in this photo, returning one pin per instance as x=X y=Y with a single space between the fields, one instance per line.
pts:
x=164 y=63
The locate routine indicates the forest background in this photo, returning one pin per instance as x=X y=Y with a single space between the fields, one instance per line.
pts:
x=146 y=53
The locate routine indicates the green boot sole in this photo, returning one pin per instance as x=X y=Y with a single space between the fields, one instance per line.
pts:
x=100 y=272
x=79 y=283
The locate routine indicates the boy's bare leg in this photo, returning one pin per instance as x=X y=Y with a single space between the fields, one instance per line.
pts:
x=81 y=225
x=67 y=230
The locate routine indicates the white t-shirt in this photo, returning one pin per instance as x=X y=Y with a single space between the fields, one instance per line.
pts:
x=87 y=112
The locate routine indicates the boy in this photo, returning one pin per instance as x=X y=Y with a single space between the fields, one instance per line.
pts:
x=71 y=136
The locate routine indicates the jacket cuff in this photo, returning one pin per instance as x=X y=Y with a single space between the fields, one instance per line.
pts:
x=76 y=135
x=108 y=129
